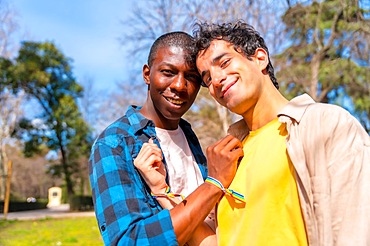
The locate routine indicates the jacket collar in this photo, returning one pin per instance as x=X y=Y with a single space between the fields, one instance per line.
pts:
x=294 y=109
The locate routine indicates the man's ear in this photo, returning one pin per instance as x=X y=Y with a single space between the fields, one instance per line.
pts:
x=146 y=74
x=261 y=58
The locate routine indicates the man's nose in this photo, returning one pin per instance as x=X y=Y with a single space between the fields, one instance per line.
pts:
x=218 y=76
x=179 y=83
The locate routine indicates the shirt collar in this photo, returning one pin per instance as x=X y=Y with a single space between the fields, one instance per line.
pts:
x=136 y=119
x=294 y=109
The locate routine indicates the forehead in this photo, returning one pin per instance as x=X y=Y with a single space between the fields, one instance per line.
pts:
x=215 y=48
x=174 y=55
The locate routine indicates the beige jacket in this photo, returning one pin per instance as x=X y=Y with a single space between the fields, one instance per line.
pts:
x=330 y=151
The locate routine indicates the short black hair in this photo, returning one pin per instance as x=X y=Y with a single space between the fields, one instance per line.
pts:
x=242 y=35
x=177 y=39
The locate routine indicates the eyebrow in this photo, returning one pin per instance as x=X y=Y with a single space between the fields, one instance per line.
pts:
x=214 y=61
x=166 y=64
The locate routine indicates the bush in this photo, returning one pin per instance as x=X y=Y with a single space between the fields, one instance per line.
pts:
x=81 y=203
x=16 y=206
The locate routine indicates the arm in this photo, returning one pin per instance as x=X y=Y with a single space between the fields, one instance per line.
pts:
x=337 y=158
x=125 y=212
x=348 y=149
x=190 y=213
x=150 y=165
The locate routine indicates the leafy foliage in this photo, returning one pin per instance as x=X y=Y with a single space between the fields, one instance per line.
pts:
x=329 y=54
x=44 y=74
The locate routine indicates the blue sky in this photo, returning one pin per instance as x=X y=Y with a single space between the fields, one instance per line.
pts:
x=86 y=31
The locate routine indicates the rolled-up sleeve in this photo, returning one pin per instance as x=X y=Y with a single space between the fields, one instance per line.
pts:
x=126 y=214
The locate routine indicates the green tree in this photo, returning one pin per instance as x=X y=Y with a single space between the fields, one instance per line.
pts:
x=10 y=109
x=44 y=74
x=328 y=53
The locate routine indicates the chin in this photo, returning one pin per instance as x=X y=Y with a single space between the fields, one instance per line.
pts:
x=174 y=115
x=231 y=106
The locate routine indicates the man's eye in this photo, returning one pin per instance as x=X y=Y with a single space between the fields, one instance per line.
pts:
x=207 y=82
x=225 y=63
x=167 y=72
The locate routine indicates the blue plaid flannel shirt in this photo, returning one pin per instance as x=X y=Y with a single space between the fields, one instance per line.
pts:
x=125 y=211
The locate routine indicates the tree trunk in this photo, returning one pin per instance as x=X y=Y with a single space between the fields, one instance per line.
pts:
x=315 y=65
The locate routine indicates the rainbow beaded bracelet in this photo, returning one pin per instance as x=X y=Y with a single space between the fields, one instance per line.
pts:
x=229 y=192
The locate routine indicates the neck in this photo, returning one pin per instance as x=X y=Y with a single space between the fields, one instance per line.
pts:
x=268 y=105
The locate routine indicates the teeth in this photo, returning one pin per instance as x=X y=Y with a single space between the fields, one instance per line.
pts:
x=174 y=101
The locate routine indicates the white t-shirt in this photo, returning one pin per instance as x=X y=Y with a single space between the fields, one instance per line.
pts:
x=183 y=171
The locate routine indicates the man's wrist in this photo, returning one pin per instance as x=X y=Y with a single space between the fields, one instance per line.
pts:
x=216 y=183
x=213 y=189
x=159 y=189
x=166 y=193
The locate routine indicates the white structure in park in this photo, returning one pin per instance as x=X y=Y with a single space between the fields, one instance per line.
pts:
x=54 y=196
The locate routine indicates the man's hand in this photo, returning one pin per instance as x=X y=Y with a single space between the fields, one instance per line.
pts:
x=223 y=157
x=150 y=165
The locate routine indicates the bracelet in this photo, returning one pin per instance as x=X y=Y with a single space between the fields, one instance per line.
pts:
x=229 y=192
x=167 y=193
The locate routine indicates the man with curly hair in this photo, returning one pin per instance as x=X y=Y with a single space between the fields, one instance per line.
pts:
x=305 y=174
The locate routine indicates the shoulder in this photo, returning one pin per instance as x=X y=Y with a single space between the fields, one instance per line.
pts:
x=328 y=113
x=333 y=122
x=114 y=134
x=125 y=127
x=303 y=109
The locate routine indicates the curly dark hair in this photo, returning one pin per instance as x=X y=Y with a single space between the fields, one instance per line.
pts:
x=242 y=35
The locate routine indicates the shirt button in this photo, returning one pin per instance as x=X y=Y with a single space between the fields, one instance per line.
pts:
x=102 y=228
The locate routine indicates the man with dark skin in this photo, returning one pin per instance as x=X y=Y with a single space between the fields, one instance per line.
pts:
x=138 y=148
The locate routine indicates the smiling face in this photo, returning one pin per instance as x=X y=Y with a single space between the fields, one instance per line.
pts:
x=173 y=86
x=233 y=80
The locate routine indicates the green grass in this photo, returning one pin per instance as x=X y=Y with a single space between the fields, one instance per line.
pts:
x=67 y=231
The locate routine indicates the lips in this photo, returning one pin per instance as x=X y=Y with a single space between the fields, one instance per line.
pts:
x=175 y=101
x=226 y=88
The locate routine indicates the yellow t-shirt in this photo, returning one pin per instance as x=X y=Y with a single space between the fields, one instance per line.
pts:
x=272 y=213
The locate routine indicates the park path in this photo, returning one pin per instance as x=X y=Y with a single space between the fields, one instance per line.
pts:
x=61 y=211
